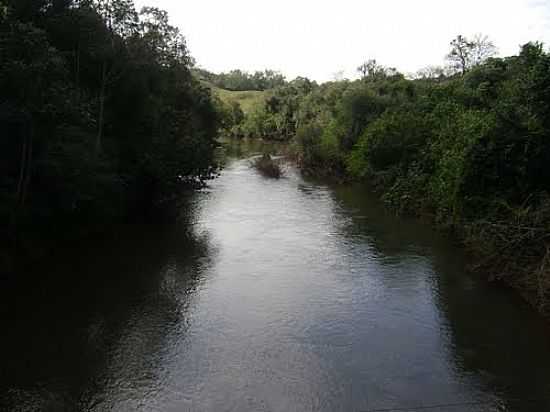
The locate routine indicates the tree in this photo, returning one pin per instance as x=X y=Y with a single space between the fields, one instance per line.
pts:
x=121 y=20
x=165 y=41
x=483 y=49
x=100 y=115
x=431 y=73
x=466 y=53
x=374 y=71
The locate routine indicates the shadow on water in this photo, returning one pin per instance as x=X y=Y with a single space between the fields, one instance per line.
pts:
x=493 y=339
x=497 y=336
x=94 y=325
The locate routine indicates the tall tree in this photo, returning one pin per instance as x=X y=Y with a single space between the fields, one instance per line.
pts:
x=466 y=53
x=370 y=69
x=122 y=22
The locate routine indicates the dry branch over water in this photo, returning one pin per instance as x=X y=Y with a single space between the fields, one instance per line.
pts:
x=268 y=167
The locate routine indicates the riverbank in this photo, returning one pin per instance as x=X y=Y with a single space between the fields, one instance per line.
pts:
x=511 y=247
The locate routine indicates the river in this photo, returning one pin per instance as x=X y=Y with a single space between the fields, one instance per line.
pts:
x=271 y=295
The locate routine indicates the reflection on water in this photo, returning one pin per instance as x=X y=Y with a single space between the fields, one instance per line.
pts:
x=275 y=295
x=94 y=329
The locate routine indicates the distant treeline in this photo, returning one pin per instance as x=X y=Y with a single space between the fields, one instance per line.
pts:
x=468 y=144
x=101 y=117
x=238 y=80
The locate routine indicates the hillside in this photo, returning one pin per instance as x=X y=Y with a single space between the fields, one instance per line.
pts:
x=247 y=99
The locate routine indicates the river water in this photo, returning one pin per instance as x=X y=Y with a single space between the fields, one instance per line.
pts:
x=271 y=295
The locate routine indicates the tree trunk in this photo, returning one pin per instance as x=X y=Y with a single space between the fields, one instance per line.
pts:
x=101 y=108
x=28 y=172
x=463 y=62
x=77 y=70
x=22 y=169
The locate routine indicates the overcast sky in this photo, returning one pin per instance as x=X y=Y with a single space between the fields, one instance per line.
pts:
x=317 y=38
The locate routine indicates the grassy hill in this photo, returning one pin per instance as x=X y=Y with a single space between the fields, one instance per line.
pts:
x=247 y=99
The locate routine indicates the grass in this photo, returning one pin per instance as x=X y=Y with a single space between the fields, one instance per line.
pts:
x=248 y=99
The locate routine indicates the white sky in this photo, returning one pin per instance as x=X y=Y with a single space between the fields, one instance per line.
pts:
x=317 y=38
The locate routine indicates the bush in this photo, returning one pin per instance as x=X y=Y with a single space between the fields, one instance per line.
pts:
x=394 y=140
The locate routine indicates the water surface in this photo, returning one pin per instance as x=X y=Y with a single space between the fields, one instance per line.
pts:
x=271 y=295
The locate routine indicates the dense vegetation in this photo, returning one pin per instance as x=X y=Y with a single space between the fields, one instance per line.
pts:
x=100 y=114
x=240 y=99
x=238 y=80
x=244 y=101
x=268 y=115
x=468 y=144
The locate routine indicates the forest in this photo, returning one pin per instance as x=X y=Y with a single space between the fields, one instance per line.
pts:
x=238 y=80
x=102 y=119
x=466 y=145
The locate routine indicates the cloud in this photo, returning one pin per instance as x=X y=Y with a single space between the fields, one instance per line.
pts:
x=317 y=38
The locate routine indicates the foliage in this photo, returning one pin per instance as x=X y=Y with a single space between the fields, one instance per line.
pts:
x=371 y=70
x=247 y=100
x=238 y=80
x=466 y=54
x=277 y=115
x=101 y=116
x=393 y=140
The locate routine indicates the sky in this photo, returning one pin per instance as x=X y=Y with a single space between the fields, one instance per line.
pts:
x=318 y=38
